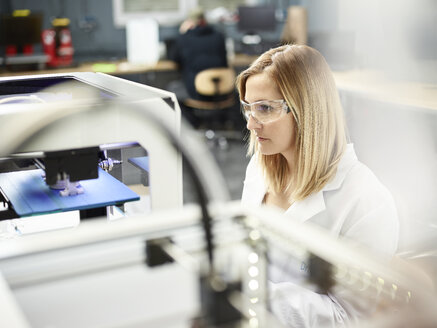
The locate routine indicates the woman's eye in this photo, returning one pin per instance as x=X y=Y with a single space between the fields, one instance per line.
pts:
x=264 y=108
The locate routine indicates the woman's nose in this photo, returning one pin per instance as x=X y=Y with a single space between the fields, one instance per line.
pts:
x=252 y=124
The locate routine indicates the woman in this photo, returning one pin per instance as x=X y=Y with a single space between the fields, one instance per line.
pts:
x=301 y=163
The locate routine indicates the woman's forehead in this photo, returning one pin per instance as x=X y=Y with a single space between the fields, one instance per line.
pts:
x=261 y=87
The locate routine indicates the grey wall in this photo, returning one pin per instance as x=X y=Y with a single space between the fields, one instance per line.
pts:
x=92 y=27
x=93 y=31
x=340 y=29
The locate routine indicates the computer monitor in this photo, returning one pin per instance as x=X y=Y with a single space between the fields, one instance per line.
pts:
x=20 y=30
x=255 y=19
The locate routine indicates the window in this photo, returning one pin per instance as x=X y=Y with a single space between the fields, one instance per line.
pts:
x=228 y=4
x=166 y=12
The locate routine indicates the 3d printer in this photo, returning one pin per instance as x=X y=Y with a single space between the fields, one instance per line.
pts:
x=69 y=172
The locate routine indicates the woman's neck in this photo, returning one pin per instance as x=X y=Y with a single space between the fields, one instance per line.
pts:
x=281 y=199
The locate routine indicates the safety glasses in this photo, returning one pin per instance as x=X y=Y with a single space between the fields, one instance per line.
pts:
x=264 y=111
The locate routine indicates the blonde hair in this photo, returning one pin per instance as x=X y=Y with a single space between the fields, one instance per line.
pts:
x=305 y=81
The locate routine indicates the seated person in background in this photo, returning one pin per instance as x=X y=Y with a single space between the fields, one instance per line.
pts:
x=198 y=47
x=301 y=163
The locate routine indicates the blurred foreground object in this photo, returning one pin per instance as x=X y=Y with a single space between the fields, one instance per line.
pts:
x=176 y=287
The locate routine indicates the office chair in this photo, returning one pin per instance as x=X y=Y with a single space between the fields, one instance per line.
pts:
x=215 y=113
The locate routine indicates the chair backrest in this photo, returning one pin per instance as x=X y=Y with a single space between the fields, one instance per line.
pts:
x=215 y=81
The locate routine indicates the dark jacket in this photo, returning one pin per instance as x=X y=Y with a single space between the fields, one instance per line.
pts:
x=196 y=50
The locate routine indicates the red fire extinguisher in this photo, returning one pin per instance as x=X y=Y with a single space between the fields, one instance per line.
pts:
x=57 y=43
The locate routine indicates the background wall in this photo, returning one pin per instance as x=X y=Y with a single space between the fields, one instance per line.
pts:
x=350 y=33
x=396 y=36
x=92 y=28
x=95 y=36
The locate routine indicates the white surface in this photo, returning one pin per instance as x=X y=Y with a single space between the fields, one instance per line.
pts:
x=11 y=316
x=125 y=297
x=142 y=37
x=22 y=226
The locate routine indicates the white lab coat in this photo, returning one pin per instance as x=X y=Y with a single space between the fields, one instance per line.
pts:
x=354 y=204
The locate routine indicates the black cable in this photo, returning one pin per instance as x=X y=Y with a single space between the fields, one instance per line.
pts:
x=179 y=146
x=203 y=201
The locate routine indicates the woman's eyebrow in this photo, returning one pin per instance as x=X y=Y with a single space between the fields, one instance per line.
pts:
x=257 y=101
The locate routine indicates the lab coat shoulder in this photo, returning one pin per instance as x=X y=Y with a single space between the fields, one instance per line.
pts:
x=369 y=210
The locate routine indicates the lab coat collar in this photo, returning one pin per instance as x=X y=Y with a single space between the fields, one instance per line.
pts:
x=315 y=203
x=348 y=159
x=307 y=208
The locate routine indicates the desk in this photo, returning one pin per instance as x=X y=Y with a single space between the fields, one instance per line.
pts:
x=113 y=68
x=123 y=67
x=158 y=75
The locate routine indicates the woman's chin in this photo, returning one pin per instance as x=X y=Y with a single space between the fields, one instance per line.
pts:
x=266 y=151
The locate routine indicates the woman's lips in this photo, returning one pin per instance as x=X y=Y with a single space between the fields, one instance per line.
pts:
x=261 y=139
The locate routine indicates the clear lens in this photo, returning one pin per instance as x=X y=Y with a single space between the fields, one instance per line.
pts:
x=264 y=111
